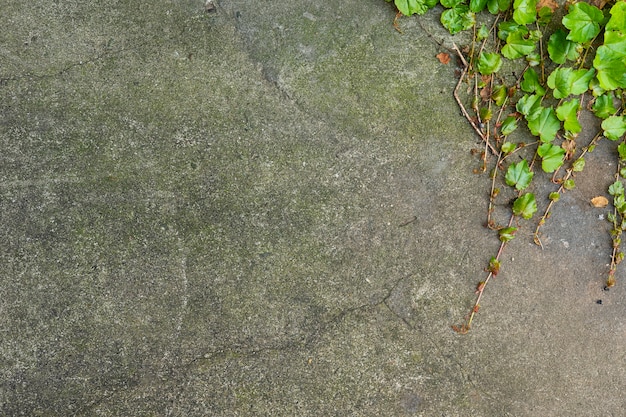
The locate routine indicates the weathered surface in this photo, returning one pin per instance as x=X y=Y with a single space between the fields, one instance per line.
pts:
x=211 y=214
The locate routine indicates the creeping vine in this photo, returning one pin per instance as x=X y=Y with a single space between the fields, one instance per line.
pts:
x=571 y=59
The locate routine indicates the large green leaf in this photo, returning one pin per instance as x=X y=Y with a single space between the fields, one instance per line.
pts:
x=519 y=175
x=517 y=46
x=560 y=49
x=489 y=62
x=545 y=125
x=525 y=11
x=614 y=127
x=525 y=205
x=551 y=156
x=477 y=5
x=497 y=6
x=583 y=21
x=565 y=81
x=610 y=61
x=567 y=112
x=617 y=21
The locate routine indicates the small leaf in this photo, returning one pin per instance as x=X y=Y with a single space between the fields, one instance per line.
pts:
x=508 y=126
x=499 y=95
x=508 y=147
x=551 y=156
x=525 y=206
x=482 y=33
x=569 y=184
x=614 y=127
x=507 y=234
x=578 y=165
x=457 y=19
x=554 y=196
x=545 y=125
x=494 y=266
x=488 y=63
x=583 y=21
x=507 y=27
x=567 y=112
x=616 y=189
x=519 y=175
x=530 y=83
x=603 y=106
x=621 y=150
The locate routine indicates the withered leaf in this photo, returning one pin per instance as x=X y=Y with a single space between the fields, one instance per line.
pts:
x=599 y=202
x=443 y=57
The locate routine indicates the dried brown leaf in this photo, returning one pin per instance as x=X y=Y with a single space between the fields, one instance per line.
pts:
x=443 y=57
x=599 y=202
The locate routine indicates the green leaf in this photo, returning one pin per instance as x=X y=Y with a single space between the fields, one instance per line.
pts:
x=603 y=106
x=519 y=175
x=525 y=205
x=508 y=126
x=545 y=15
x=569 y=184
x=482 y=33
x=410 y=7
x=565 y=81
x=449 y=4
x=560 y=49
x=494 y=266
x=489 y=62
x=621 y=150
x=508 y=147
x=578 y=165
x=616 y=189
x=546 y=125
x=530 y=83
x=499 y=94
x=567 y=112
x=497 y=6
x=554 y=196
x=618 y=17
x=517 y=46
x=610 y=61
x=529 y=106
x=507 y=234
x=525 y=11
x=614 y=127
x=458 y=19
x=583 y=21
x=508 y=26
x=477 y=5
x=551 y=156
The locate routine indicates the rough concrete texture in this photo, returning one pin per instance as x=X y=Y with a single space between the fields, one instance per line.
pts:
x=203 y=214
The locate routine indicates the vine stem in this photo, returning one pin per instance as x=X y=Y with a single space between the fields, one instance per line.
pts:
x=462 y=107
x=480 y=290
x=568 y=173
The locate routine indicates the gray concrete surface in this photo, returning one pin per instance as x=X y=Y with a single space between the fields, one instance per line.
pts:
x=201 y=216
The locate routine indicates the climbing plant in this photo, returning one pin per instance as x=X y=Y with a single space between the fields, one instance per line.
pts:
x=572 y=59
